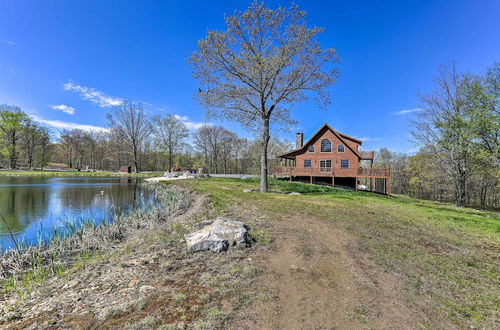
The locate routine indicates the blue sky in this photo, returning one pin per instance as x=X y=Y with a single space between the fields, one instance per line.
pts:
x=67 y=62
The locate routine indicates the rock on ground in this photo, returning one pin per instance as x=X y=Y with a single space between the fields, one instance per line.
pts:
x=217 y=235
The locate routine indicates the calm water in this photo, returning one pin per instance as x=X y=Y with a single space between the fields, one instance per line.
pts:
x=34 y=206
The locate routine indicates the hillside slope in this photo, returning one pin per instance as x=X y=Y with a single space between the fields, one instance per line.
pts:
x=340 y=258
x=327 y=258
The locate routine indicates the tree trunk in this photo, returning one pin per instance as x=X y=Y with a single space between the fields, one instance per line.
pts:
x=461 y=192
x=482 y=196
x=263 y=156
x=170 y=158
x=13 y=156
x=43 y=159
x=136 y=165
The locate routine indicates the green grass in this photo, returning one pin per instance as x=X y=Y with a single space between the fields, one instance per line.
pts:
x=76 y=173
x=449 y=256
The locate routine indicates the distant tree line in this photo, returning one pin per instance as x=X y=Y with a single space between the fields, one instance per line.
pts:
x=22 y=140
x=147 y=143
x=458 y=132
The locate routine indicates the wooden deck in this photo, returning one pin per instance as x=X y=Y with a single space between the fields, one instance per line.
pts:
x=329 y=171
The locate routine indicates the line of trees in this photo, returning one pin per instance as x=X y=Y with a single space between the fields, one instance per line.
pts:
x=458 y=131
x=22 y=140
x=423 y=175
x=148 y=143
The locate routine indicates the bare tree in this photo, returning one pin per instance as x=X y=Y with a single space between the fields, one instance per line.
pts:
x=44 y=147
x=214 y=142
x=130 y=125
x=170 y=133
x=91 y=143
x=228 y=140
x=255 y=70
x=240 y=149
x=201 y=137
x=398 y=163
x=30 y=139
x=72 y=144
x=206 y=140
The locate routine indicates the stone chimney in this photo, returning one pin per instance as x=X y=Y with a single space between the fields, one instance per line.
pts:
x=299 y=140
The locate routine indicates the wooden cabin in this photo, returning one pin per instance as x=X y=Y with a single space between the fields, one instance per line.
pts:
x=333 y=158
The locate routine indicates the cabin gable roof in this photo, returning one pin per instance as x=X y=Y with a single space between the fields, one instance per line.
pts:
x=339 y=135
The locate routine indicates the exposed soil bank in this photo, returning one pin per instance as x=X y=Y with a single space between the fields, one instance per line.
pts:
x=143 y=280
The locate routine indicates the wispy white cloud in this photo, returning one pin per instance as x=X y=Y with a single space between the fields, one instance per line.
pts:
x=93 y=95
x=8 y=42
x=58 y=124
x=192 y=125
x=366 y=139
x=64 y=108
x=406 y=111
x=181 y=118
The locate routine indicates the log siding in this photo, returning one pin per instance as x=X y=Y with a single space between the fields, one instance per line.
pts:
x=294 y=165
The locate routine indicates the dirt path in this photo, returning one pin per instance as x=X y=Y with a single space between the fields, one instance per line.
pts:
x=323 y=280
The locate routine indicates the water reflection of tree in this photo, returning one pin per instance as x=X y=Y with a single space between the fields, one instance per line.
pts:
x=83 y=197
x=20 y=205
x=23 y=202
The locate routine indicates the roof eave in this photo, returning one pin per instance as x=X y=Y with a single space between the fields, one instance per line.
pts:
x=339 y=135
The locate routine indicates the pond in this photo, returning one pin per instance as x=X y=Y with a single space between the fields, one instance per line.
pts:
x=34 y=206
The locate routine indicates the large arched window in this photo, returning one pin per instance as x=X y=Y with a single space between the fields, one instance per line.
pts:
x=326 y=145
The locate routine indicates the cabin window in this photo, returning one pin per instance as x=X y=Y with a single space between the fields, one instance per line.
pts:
x=325 y=163
x=310 y=148
x=307 y=163
x=326 y=146
x=340 y=148
x=344 y=163
x=325 y=166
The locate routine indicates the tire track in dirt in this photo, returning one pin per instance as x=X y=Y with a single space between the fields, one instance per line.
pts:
x=324 y=280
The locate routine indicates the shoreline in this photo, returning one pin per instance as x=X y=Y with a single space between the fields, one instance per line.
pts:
x=91 y=237
x=164 y=178
x=76 y=173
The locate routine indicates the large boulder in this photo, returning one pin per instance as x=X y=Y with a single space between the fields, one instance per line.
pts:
x=217 y=235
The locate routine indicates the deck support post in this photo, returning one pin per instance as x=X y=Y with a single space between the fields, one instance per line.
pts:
x=388 y=185
x=311 y=179
x=372 y=184
x=333 y=181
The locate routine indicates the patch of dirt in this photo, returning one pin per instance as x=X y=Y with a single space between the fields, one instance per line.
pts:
x=324 y=280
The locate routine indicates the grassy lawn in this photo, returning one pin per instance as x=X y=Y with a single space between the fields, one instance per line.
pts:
x=447 y=256
x=76 y=173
